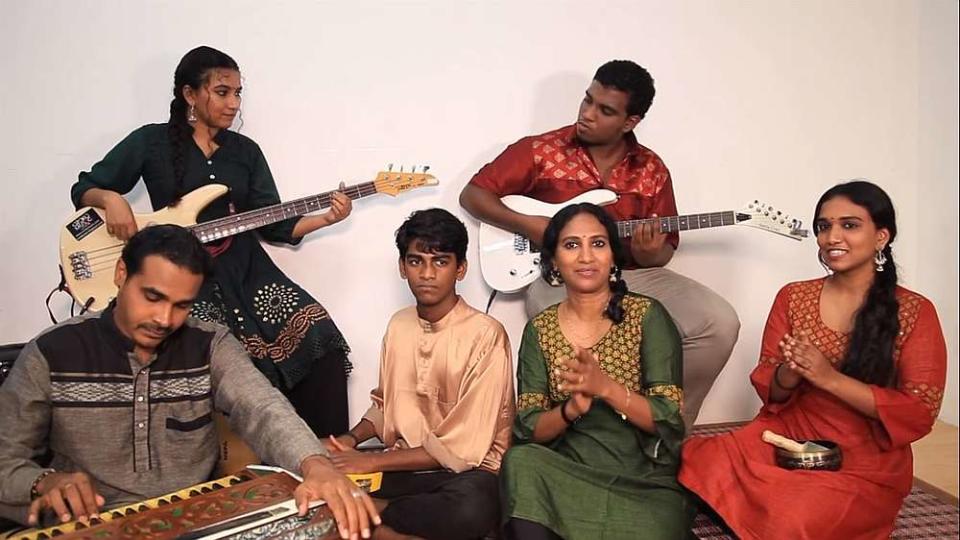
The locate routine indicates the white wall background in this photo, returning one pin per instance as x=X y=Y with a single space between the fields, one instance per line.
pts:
x=775 y=100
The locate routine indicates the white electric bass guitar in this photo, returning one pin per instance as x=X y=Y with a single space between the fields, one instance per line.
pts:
x=509 y=262
x=88 y=254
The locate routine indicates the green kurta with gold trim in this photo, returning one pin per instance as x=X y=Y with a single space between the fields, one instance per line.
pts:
x=603 y=478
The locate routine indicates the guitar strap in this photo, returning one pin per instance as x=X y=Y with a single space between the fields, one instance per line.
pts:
x=215 y=249
x=62 y=287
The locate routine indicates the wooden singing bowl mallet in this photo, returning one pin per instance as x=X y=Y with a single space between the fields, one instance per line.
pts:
x=791 y=445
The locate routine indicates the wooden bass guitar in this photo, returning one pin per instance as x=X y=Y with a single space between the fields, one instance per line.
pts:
x=88 y=254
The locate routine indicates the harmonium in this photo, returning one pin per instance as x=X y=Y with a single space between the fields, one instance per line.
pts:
x=251 y=504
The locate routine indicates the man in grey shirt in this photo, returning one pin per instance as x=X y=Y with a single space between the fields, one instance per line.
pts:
x=121 y=401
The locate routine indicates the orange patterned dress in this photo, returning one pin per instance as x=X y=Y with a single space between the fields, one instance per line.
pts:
x=736 y=475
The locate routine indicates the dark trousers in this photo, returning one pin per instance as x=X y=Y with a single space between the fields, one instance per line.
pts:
x=321 y=397
x=441 y=504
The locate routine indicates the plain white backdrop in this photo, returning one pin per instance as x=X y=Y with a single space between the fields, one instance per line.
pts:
x=774 y=100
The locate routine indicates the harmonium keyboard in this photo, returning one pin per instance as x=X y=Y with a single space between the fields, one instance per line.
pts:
x=249 y=505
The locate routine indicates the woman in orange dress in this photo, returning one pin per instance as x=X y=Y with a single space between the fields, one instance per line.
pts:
x=851 y=358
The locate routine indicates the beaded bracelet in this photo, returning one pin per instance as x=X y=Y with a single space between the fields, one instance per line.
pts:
x=34 y=493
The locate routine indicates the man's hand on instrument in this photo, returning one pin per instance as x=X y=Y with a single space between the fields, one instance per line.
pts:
x=340 y=207
x=646 y=244
x=534 y=227
x=119 y=217
x=69 y=495
x=351 y=507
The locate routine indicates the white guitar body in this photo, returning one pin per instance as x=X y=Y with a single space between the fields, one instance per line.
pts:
x=507 y=262
x=88 y=254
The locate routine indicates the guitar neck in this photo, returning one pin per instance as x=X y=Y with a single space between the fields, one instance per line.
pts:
x=671 y=224
x=261 y=217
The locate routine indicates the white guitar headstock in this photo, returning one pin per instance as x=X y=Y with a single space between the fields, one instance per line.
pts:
x=762 y=216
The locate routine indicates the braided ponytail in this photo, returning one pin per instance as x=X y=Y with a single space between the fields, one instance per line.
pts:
x=618 y=287
x=179 y=131
x=869 y=357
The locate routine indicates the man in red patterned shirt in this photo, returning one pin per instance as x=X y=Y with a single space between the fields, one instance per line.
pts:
x=600 y=151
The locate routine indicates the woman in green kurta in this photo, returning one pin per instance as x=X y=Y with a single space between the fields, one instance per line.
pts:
x=289 y=335
x=598 y=428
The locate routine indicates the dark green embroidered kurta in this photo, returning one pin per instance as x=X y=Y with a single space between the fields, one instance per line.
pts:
x=281 y=325
x=603 y=478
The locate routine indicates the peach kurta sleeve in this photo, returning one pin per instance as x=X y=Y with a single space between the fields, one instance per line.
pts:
x=374 y=414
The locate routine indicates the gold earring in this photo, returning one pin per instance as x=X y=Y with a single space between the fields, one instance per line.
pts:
x=555 y=279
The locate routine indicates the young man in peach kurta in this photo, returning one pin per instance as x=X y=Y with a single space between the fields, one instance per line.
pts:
x=444 y=405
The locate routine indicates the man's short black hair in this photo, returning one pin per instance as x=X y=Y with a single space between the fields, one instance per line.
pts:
x=434 y=230
x=631 y=78
x=172 y=242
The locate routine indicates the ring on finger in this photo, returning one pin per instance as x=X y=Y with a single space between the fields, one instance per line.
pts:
x=356 y=493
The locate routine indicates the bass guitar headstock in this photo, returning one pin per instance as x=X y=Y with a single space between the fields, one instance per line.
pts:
x=393 y=183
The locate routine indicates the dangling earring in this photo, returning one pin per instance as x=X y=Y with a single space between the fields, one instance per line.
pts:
x=614 y=274
x=192 y=114
x=555 y=279
x=880 y=260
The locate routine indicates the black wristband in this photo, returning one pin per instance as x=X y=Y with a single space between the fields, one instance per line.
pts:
x=563 y=414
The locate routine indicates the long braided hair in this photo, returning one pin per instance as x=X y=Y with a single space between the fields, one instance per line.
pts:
x=551 y=238
x=193 y=71
x=869 y=357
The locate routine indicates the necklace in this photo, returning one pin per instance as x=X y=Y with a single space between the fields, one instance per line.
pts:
x=583 y=334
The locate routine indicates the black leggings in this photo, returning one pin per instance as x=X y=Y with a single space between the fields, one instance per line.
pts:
x=321 y=397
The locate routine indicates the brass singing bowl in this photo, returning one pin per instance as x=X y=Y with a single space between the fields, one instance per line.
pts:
x=823 y=460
